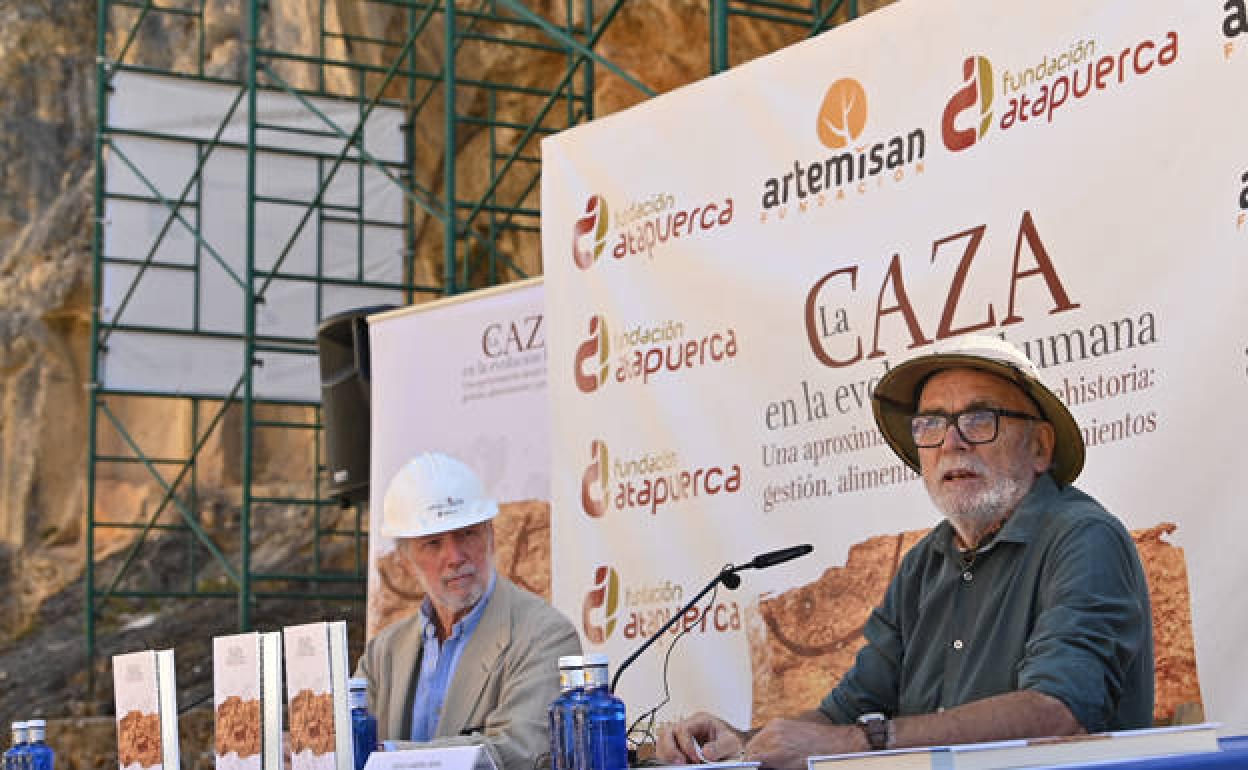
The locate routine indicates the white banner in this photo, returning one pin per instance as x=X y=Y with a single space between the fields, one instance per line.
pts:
x=732 y=267
x=180 y=317
x=465 y=376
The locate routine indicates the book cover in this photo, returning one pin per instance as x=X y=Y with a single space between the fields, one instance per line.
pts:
x=316 y=691
x=145 y=700
x=247 y=701
x=1125 y=744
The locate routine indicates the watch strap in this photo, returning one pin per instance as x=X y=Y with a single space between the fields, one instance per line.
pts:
x=876 y=727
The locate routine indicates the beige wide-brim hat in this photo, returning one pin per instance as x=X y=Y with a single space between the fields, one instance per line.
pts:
x=897 y=395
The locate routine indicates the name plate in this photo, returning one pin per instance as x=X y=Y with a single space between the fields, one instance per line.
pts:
x=445 y=758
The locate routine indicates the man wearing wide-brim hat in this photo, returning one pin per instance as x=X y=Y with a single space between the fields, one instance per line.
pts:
x=478 y=663
x=1025 y=613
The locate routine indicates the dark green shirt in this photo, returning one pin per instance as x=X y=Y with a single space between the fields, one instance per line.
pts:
x=1056 y=603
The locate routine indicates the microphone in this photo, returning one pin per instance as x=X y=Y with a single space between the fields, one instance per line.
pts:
x=772 y=558
x=731 y=580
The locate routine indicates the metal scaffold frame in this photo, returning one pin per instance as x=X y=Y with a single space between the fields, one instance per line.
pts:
x=480 y=232
x=800 y=19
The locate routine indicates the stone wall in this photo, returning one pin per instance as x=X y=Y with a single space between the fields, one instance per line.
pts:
x=46 y=125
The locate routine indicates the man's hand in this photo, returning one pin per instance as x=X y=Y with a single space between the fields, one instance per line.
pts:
x=700 y=738
x=786 y=743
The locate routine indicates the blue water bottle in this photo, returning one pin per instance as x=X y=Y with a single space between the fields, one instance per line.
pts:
x=563 y=754
x=363 y=724
x=602 y=720
x=41 y=755
x=15 y=757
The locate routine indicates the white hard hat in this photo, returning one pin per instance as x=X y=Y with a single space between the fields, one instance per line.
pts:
x=434 y=493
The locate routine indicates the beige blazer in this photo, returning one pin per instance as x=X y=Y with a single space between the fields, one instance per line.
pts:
x=505 y=680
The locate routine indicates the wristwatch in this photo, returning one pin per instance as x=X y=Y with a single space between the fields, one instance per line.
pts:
x=876 y=727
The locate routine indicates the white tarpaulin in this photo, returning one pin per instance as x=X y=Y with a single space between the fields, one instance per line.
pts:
x=181 y=317
x=732 y=266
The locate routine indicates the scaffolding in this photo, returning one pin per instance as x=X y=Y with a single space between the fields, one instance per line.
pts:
x=383 y=160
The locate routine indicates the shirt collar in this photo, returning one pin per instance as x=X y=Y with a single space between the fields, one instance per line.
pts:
x=467 y=623
x=1026 y=519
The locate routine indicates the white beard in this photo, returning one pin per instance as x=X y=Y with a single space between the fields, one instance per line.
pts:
x=975 y=512
x=466 y=601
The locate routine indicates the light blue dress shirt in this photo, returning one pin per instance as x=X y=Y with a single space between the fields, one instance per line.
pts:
x=438 y=661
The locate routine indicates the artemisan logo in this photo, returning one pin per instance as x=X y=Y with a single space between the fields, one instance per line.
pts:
x=601 y=608
x=590 y=232
x=646 y=352
x=648 y=481
x=1040 y=91
x=643 y=226
x=855 y=165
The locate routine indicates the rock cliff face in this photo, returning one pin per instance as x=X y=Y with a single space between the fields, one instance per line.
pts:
x=47 y=123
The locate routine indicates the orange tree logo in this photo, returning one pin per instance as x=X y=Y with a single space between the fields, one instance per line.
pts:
x=589 y=234
x=595 y=352
x=976 y=92
x=843 y=114
x=597 y=474
x=601 y=609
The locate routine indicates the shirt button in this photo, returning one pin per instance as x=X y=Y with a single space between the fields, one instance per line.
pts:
x=967 y=576
x=957 y=644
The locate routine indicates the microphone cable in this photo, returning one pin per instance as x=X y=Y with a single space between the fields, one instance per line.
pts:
x=647 y=733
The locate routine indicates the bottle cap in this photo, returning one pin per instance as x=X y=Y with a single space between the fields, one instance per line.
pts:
x=596 y=659
x=357 y=683
x=36 y=723
x=19 y=725
x=570 y=661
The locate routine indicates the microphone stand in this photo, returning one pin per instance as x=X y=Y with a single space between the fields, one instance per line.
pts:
x=731 y=580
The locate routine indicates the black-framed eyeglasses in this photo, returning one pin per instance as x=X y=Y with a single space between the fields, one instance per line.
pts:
x=977 y=425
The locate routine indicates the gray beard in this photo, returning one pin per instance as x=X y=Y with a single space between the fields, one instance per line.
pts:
x=986 y=508
x=979 y=512
x=467 y=601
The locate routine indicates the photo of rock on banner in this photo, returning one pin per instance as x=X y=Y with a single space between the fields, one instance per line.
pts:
x=139 y=680
x=521 y=554
x=237 y=731
x=138 y=740
x=803 y=640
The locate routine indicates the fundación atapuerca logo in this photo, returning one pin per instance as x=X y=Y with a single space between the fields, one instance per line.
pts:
x=975 y=94
x=601 y=608
x=589 y=233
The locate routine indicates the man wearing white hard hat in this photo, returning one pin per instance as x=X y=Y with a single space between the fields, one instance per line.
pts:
x=478 y=663
x=1025 y=613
